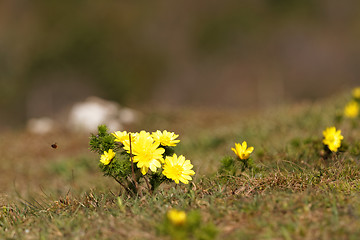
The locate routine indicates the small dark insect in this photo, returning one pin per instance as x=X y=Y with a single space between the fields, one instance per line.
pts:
x=54 y=145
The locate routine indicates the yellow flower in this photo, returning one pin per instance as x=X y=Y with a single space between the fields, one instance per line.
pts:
x=126 y=142
x=146 y=152
x=176 y=217
x=178 y=169
x=351 y=109
x=165 y=138
x=332 y=138
x=242 y=151
x=356 y=93
x=107 y=157
x=120 y=136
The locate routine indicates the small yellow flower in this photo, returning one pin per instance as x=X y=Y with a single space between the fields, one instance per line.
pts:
x=242 y=151
x=351 y=109
x=176 y=217
x=356 y=93
x=107 y=157
x=178 y=169
x=165 y=138
x=332 y=138
x=146 y=152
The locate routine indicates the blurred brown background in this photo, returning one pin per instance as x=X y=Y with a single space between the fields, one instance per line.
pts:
x=246 y=54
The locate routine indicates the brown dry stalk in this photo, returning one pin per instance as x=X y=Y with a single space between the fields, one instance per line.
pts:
x=132 y=165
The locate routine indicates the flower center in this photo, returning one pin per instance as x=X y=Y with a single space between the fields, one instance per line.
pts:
x=147 y=157
x=176 y=170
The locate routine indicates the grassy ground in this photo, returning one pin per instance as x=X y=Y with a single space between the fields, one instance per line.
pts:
x=295 y=193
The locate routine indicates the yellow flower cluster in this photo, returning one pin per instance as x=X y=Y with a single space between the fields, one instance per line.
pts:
x=332 y=138
x=147 y=150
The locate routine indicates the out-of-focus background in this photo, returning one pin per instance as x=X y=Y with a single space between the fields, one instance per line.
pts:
x=246 y=54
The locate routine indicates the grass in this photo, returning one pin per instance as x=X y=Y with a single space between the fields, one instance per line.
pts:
x=296 y=192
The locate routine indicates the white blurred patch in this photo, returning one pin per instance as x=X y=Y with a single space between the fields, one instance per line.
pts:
x=86 y=116
x=128 y=115
x=42 y=125
x=94 y=111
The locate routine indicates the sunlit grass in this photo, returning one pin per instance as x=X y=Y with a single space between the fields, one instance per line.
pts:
x=297 y=190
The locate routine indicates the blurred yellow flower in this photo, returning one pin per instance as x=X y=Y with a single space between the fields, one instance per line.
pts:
x=351 y=109
x=165 y=138
x=178 y=169
x=107 y=157
x=356 y=93
x=176 y=217
x=146 y=152
x=332 y=138
x=242 y=151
